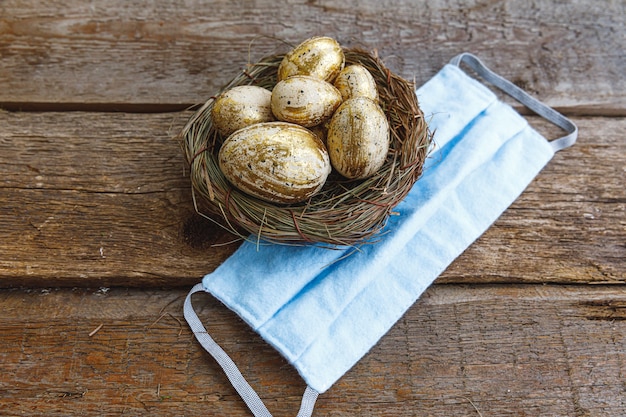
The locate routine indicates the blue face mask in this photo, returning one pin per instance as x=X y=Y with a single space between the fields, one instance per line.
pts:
x=322 y=309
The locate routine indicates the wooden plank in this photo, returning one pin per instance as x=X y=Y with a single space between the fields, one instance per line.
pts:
x=461 y=350
x=94 y=200
x=126 y=56
x=102 y=199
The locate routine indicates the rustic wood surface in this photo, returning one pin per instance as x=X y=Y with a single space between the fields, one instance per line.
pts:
x=102 y=199
x=507 y=350
x=99 y=241
x=134 y=55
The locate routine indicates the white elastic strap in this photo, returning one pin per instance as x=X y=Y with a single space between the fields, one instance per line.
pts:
x=523 y=97
x=235 y=377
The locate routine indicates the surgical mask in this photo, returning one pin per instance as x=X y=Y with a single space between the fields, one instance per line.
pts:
x=324 y=309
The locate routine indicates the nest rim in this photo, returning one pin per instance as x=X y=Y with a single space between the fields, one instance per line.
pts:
x=345 y=212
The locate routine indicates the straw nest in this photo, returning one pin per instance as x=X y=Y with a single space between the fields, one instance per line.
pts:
x=344 y=212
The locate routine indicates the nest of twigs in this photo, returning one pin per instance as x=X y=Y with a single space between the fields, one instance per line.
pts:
x=344 y=212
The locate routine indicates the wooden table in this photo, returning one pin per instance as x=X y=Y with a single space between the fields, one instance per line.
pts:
x=99 y=241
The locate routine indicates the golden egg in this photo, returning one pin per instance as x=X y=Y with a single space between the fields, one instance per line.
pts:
x=356 y=81
x=276 y=161
x=358 y=138
x=241 y=106
x=320 y=57
x=304 y=100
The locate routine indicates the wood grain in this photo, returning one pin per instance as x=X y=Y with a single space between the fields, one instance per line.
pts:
x=99 y=240
x=102 y=199
x=131 y=56
x=509 y=350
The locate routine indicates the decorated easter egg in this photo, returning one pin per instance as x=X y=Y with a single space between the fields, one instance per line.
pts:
x=276 y=161
x=320 y=57
x=304 y=100
x=358 y=138
x=241 y=106
x=356 y=81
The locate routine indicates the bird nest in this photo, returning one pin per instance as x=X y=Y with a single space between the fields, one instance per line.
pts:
x=344 y=212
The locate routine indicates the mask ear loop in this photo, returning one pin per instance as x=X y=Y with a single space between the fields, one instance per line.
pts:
x=247 y=393
x=523 y=97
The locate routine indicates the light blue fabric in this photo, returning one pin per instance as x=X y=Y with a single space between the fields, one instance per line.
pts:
x=324 y=309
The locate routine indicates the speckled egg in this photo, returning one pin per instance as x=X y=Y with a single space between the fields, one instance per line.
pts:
x=358 y=138
x=278 y=162
x=356 y=81
x=304 y=100
x=320 y=57
x=241 y=106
